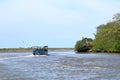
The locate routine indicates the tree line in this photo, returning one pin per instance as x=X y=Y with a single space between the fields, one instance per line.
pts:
x=107 y=38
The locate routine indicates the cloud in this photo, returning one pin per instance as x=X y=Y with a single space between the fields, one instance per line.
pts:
x=38 y=11
x=102 y=6
x=53 y=11
x=96 y=6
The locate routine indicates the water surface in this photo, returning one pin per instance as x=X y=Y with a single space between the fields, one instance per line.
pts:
x=60 y=65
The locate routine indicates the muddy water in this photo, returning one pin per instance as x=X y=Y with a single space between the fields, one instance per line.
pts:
x=59 y=65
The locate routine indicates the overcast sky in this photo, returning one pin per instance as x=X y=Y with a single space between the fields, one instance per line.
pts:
x=56 y=23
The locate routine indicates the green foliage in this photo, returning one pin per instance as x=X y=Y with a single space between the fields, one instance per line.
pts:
x=83 y=45
x=107 y=37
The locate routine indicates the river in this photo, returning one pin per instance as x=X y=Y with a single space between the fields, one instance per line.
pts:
x=59 y=65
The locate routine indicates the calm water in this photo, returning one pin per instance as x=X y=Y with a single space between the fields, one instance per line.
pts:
x=59 y=66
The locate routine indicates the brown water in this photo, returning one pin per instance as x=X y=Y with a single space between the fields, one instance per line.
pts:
x=60 y=65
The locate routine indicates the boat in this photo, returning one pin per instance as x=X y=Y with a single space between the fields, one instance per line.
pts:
x=41 y=50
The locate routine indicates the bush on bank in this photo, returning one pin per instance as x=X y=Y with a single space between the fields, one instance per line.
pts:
x=83 y=45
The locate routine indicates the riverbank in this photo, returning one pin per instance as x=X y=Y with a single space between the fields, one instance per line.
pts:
x=31 y=49
x=15 y=49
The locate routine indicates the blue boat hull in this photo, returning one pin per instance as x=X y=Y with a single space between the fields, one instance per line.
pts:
x=40 y=52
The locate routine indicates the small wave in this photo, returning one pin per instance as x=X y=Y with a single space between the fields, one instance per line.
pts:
x=97 y=67
x=40 y=55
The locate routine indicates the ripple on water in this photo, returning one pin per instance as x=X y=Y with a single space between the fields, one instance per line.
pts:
x=59 y=66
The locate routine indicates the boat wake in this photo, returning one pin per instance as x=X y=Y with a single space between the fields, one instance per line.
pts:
x=27 y=56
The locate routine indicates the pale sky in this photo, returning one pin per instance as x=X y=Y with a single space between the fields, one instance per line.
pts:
x=56 y=23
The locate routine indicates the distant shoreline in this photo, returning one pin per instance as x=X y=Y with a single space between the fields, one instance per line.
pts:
x=2 y=50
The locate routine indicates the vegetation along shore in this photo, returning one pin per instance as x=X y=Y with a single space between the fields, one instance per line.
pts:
x=31 y=49
x=107 y=38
